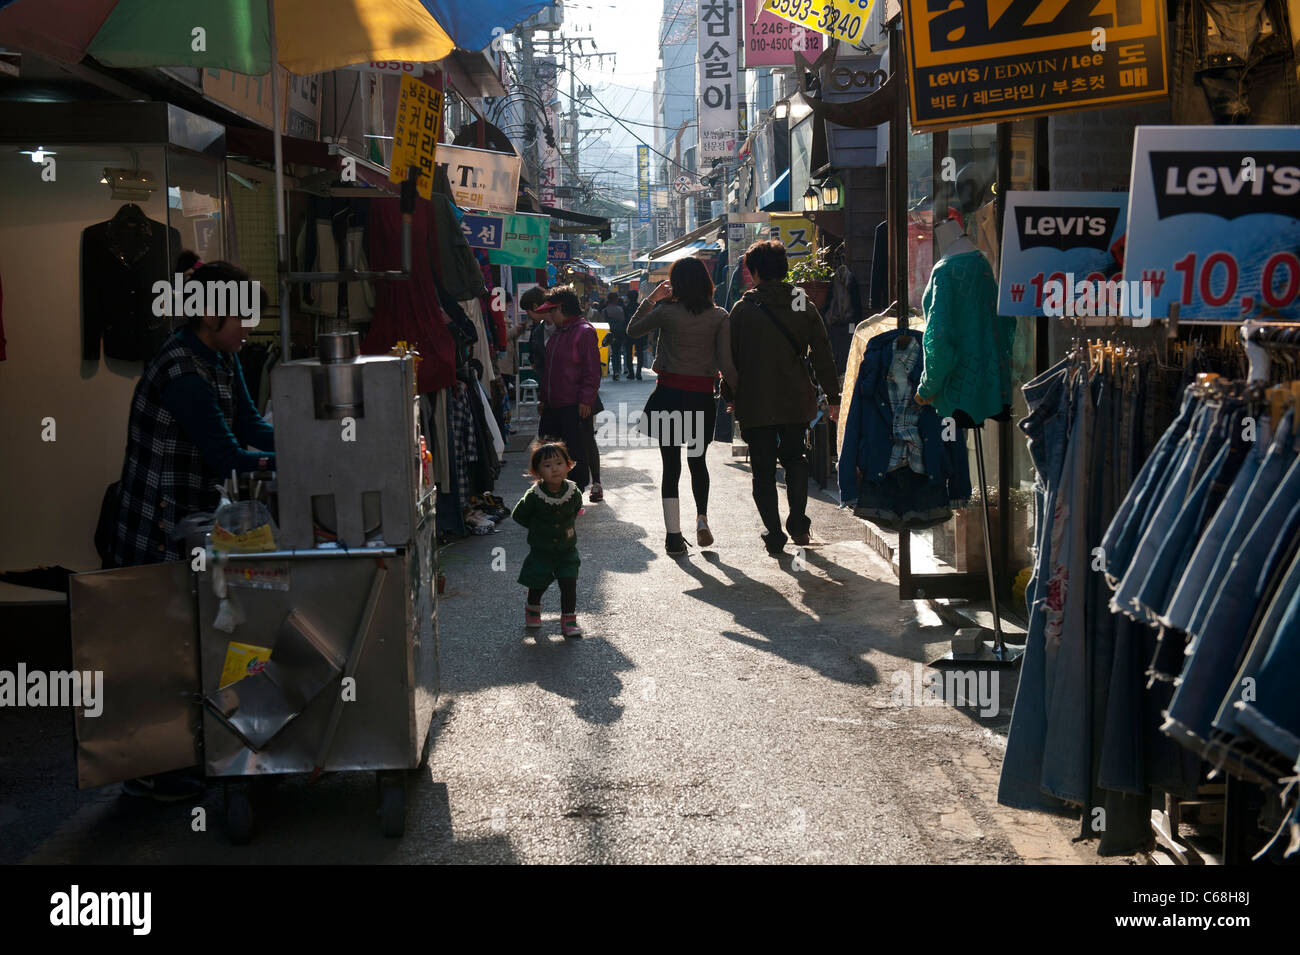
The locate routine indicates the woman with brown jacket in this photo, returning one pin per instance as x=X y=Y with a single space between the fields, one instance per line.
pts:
x=694 y=345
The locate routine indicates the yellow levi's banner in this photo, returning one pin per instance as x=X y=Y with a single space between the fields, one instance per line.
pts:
x=840 y=19
x=415 y=134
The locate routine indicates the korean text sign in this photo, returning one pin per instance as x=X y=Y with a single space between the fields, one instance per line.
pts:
x=481 y=178
x=1058 y=237
x=643 y=183
x=511 y=239
x=1214 y=221
x=415 y=134
x=773 y=41
x=978 y=60
x=795 y=232
x=842 y=19
x=719 y=78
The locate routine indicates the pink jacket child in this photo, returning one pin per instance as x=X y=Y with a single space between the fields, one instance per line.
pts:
x=571 y=375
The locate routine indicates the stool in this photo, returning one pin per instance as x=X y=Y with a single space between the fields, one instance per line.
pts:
x=528 y=392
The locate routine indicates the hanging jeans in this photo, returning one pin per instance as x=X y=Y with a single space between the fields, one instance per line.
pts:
x=1273 y=717
x=1239 y=75
x=1215 y=651
x=1067 y=744
x=1274 y=596
x=1020 y=785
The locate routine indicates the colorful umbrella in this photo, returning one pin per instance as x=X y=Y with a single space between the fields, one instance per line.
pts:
x=247 y=36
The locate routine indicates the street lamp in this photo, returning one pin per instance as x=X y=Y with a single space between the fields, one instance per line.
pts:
x=831 y=193
x=811 y=200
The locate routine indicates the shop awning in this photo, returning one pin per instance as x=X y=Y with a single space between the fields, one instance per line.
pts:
x=595 y=225
x=777 y=196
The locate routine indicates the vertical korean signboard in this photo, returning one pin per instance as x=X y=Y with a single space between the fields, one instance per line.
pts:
x=550 y=156
x=979 y=60
x=643 y=184
x=719 y=78
x=415 y=135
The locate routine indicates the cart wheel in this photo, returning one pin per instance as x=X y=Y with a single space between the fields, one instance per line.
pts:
x=239 y=814
x=392 y=804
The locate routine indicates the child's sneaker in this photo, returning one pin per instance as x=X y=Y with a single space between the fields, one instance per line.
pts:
x=532 y=616
x=569 y=625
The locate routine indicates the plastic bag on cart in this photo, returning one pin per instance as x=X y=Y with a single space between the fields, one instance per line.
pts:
x=244 y=527
x=229 y=616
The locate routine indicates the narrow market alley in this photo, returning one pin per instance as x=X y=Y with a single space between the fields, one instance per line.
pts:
x=723 y=706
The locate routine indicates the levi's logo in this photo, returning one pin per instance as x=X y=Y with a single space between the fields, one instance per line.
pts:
x=1066 y=227
x=1223 y=184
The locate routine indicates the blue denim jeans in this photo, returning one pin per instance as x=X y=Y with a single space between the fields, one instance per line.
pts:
x=1130 y=521
x=1274 y=715
x=1213 y=656
x=1067 y=745
x=1164 y=516
x=1197 y=574
x=1286 y=558
x=1020 y=785
x=1271 y=471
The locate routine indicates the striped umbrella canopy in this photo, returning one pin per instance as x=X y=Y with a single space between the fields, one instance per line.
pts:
x=306 y=36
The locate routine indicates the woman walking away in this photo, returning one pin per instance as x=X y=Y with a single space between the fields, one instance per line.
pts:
x=549 y=510
x=694 y=345
x=570 y=386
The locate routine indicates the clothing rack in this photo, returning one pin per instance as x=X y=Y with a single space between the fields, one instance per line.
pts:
x=1261 y=337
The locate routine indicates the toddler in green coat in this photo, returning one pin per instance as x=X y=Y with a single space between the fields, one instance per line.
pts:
x=549 y=509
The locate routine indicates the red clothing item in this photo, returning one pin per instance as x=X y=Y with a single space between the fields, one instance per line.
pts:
x=498 y=322
x=700 y=383
x=408 y=310
x=571 y=375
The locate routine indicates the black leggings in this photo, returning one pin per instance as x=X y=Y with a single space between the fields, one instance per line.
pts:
x=568 y=595
x=699 y=476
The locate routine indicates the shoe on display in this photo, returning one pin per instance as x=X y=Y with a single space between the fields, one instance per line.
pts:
x=597 y=494
x=703 y=536
x=569 y=625
x=532 y=616
x=675 y=545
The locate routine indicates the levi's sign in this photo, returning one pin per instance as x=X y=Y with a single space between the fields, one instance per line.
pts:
x=977 y=60
x=1226 y=184
x=1215 y=221
x=1063 y=227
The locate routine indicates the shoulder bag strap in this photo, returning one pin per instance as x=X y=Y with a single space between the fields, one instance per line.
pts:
x=798 y=352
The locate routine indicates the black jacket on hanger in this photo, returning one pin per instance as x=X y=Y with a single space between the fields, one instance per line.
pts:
x=121 y=259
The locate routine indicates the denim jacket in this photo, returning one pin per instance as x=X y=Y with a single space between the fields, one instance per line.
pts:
x=869 y=431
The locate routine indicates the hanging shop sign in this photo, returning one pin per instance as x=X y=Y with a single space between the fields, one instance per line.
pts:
x=558 y=250
x=795 y=232
x=509 y=238
x=481 y=178
x=1214 y=221
x=978 y=60
x=685 y=185
x=415 y=134
x=840 y=19
x=546 y=68
x=392 y=67
x=773 y=41
x=719 y=74
x=643 y=184
x=1059 y=250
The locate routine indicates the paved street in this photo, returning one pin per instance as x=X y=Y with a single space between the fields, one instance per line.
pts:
x=724 y=706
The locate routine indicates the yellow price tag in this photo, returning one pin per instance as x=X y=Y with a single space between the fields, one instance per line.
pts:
x=415 y=134
x=839 y=19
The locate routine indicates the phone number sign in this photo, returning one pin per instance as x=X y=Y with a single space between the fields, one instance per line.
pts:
x=983 y=60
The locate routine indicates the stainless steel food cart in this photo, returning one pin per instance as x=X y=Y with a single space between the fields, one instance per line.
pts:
x=343 y=612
